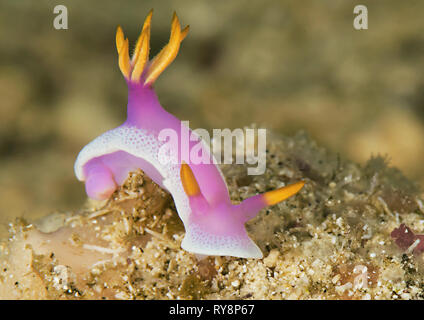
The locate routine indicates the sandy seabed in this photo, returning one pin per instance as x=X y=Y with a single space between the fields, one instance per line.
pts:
x=330 y=241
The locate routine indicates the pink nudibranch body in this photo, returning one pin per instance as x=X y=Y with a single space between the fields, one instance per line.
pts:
x=214 y=226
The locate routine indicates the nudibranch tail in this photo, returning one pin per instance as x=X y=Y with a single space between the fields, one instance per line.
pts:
x=138 y=68
x=217 y=228
x=251 y=205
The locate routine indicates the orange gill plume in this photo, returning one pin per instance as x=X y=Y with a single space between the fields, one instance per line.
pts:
x=133 y=68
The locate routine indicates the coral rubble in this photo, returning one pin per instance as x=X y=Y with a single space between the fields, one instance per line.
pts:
x=331 y=241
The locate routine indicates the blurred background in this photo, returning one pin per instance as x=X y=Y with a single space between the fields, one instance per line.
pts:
x=287 y=65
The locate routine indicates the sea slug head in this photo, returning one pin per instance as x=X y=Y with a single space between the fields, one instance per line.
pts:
x=218 y=228
x=102 y=164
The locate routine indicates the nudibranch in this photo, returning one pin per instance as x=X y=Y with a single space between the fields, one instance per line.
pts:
x=213 y=225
